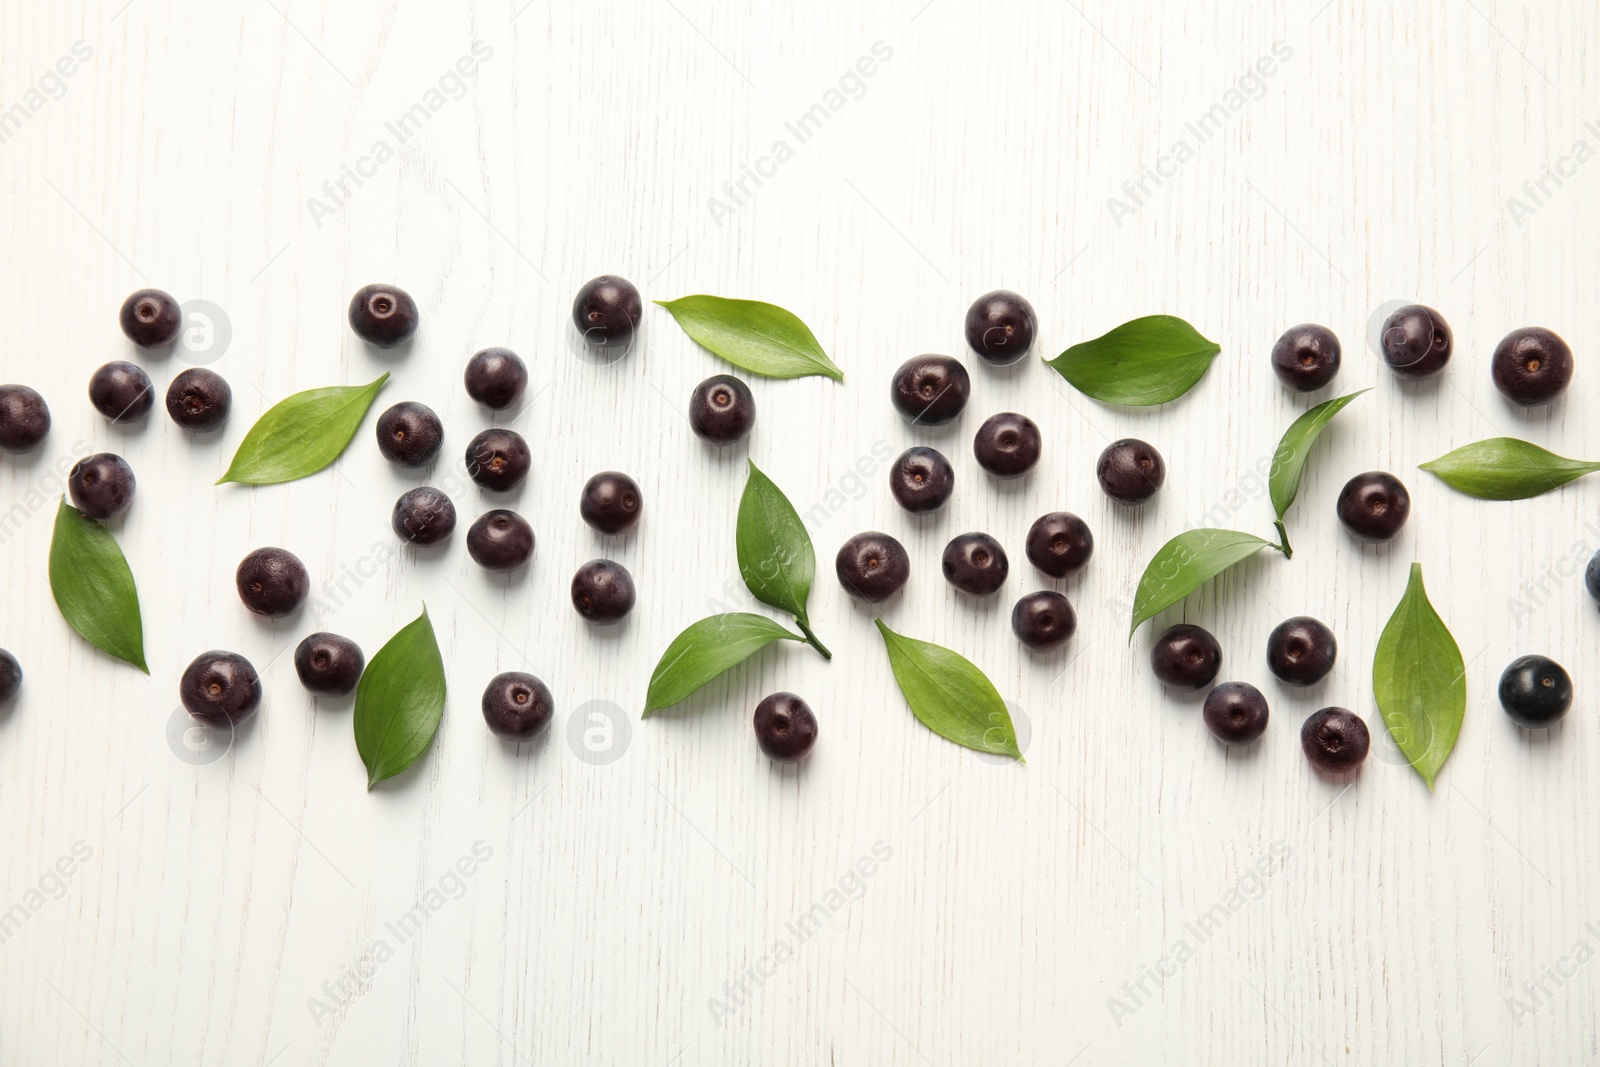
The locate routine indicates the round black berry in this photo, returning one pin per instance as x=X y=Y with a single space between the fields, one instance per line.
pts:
x=1591 y=577
x=500 y=540
x=24 y=418
x=1043 y=621
x=1306 y=357
x=1130 y=471
x=383 y=315
x=10 y=676
x=921 y=480
x=975 y=563
x=721 y=409
x=606 y=311
x=199 y=400
x=517 y=705
x=328 y=664
x=272 y=582
x=410 y=434
x=1301 y=651
x=1236 y=713
x=151 y=318
x=1000 y=327
x=1374 y=506
x=220 y=688
x=1335 y=740
x=1059 y=543
x=602 y=591
x=1416 y=342
x=424 y=516
x=872 y=566
x=121 y=391
x=930 y=390
x=1535 y=691
x=611 y=502
x=496 y=377
x=1532 y=366
x=498 y=459
x=1186 y=656
x=101 y=485
x=1007 y=445
x=786 y=729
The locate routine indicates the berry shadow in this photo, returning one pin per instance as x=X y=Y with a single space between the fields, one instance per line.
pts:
x=528 y=749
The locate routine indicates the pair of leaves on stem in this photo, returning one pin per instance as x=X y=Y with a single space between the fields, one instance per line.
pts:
x=762 y=338
x=1504 y=468
x=1147 y=361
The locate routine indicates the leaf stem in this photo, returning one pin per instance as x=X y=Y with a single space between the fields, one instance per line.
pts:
x=811 y=638
x=1283 y=535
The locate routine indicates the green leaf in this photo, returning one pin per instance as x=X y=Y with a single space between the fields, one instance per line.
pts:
x=1289 y=462
x=1187 y=562
x=1147 y=361
x=1419 y=681
x=952 y=697
x=400 y=701
x=1504 y=468
x=775 y=553
x=93 y=586
x=707 y=649
x=762 y=338
x=302 y=434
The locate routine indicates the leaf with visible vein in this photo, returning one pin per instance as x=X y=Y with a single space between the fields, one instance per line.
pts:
x=1504 y=468
x=706 y=650
x=762 y=338
x=400 y=701
x=301 y=434
x=1289 y=462
x=1186 y=563
x=1420 y=681
x=950 y=695
x=1143 y=362
x=93 y=586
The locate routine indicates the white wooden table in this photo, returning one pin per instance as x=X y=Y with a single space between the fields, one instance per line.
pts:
x=250 y=903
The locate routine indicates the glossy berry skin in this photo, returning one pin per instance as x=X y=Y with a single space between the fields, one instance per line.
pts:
x=122 y=392
x=1301 y=651
x=921 y=480
x=199 y=400
x=272 y=582
x=1535 y=691
x=1186 y=656
x=1059 y=543
x=611 y=502
x=786 y=728
x=975 y=563
x=1236 y=713
x=1306 y=357
x=101 y=485
x=410 y=434
x=383 y=315
x=1007 y=445
x=329 y=665
x=1000 y=327
x=1531 y=366
x=1416 y=342
x=872 y=566
x=498 y=459
x=496 y=378
x=1130 y=471
x=602 y=591
x=1335 y=740
x=516 y=705
x=500 y=540
x=424 y=516
x=151 y=318
x=930 y=390
x=1374 y=506
x=606 y=311
x=1591 y=577
x=220 y=688
x=721 y=409
x=24 y=418
x=1044 y=621
x=10 y=677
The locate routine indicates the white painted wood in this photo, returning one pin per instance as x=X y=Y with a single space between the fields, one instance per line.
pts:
x=615 y=902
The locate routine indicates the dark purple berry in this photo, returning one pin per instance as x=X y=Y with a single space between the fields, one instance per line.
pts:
x=10 y=677
x=272 y=582
x=24 y=418
x=220 y=689
x=1416 y=342
x=1335 y=740
x=975 y=563
x=1301 y=651
x=329 y=665
x=1532 y=366
x=410 y=434
x=1000 y=327
x=151 y=318
x=1007 y=445
x=1043 y=621
x=1130 y=471
x=930 y=390
x=1059 y=543
x=199 y=400
x=606 y=311
x=1186 y=656
x=424 y=516
x=1236 y=713
x=517 y=705
x=1306 y=357
x=611 y=502
x=121 y=391
x=383 y=315
x=500 y=541
x=101 y=485
x=921 y=480
x=721 y=409
x=786 y=729
x=1374 y=506
x=498 y=459
x=872 y=566
x=1535 y=691
x=496 y=377
x=602 y=591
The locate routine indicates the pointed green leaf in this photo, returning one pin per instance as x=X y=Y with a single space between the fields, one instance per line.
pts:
x=302 y=434
x=1147 y=361
x=1420 y=681
x=950 y=695
x=1289 y=462
x=775 y=553
x=1187 y=562
x=93 y=586
x=1504 y=468
x=400 y=701
x=762 y=338
x=706 y=650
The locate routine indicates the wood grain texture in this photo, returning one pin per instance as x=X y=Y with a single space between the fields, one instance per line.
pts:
x=609 y=905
